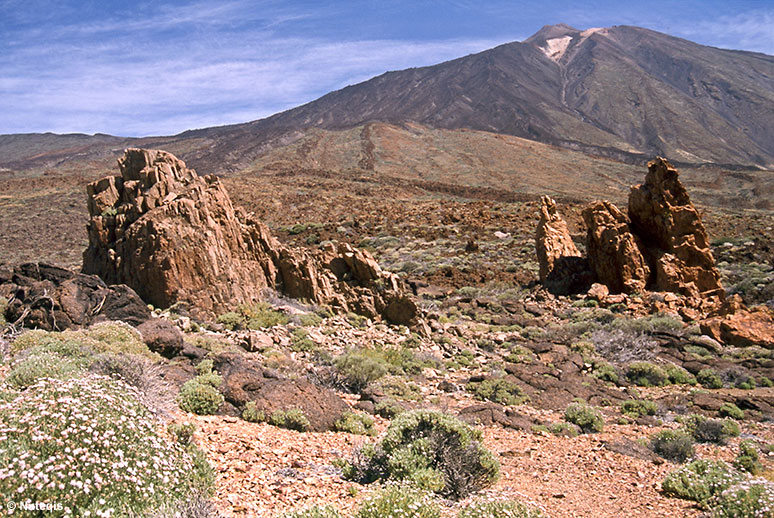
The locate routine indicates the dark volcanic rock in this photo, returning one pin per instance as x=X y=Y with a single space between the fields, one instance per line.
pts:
x=161 y=336
x=52 y=298
x=246 y=380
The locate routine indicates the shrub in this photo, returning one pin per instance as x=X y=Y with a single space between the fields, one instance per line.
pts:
x=587 y=418
x=674 y=445
x=715 y=431
x=432 y=449
x=731 y=410
x=292 y=419
x=397 y=388
x=48 y=435
x=564 y=429
x=499 y=390
x=29 y=370
x=678 y=375
x=605 y=372
x=199 y=398
x=748 y=459
x=200 y=395
x=232 y=320
x=300 y=341
x=636 y=408
x=710 y=379
x=316 y=511
x=752 y=497
x=355 y=422
x=252 y=414
x=182 y=432
x=253 y=316
x=388 y=408
x=499 y=509
x=399 y=500
x=3 y=307
x=646 y=374
x=360 y=368
x=700 y=480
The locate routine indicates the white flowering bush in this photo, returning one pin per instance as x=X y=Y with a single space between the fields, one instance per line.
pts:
x=701 y=480
x=499 y=509
x=752 y=498
x=316 y=511
x=399 y=501
x=90 y=445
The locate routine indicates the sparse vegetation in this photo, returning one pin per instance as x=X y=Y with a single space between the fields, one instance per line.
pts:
x=646 y=374
x=748 y=459
x=431 y=449
x=499 y=509
x=200 y=395
x=700 y=480
x=399 y=500
x=292 y=419
x=498 y=390
x=252 y=414
x=356 y=423
x=674 y=445
x=587 y=418
x=636 y=408
x=710 y=379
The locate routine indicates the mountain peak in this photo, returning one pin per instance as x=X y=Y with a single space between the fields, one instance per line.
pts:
x=548 y=32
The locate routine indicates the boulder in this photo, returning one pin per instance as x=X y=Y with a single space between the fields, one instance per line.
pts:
x=54 y=299
x=734 y=324
x=175 y=237
x=614 y=252
x=245 y=379
x=162 y=336
x=672 y=234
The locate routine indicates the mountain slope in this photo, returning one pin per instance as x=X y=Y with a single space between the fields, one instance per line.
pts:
x=623 y=92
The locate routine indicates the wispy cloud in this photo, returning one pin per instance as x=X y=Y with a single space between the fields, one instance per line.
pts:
x=751 y=30
x=127 y=83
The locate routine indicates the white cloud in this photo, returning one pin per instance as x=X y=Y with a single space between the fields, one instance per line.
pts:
x=750 y=31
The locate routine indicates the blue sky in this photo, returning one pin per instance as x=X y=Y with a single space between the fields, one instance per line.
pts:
x=161 y=67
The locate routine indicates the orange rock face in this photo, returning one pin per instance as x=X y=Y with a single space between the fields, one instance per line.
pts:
x=176 y=237
x=552 y=238
x=675 y=241
x=614 y=252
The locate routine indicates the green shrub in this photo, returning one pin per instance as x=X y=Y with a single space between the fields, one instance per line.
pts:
x=182 y=432
x=316 y=511
x=745 y=383
x=587 y=418
x=398 y=388
x=678 y=375
x=605 y=372
x=564 y=429
x=399 y=500
x=752 y=497
x=292 y=419
x=431 y=449
x=519 y=354
x=3 y=307
x=232 y=320
x=300 y=341
x=499 y=509
x=499 y=390
x=50 y=435
x=388 y=408
x=731 y=410
x=715 y=431
x=646 y=374
x=309 y=319
x=636 y=408
x=710 y=379
x=763 y=381
x=700 y=480
x=43 y=365
x=674 y=445
x=355 y=422
x=252 y=414
x=105 y=337
x=199 y=398
x=360 y=368
x=748 y=459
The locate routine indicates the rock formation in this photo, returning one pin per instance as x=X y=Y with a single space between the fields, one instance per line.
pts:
x=54 y=299
x=176 y=237
x=735 y=324
x=562 y=269
x=614 y=253
x=661 y=245
x=675 y=241
x=552 y=238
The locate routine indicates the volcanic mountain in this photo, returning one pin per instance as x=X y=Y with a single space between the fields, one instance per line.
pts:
x=622 y=92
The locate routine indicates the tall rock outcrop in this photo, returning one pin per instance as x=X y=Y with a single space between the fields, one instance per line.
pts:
x=562 y=269
x=661 y=245
x=614 y=252
x=175 y=236
x=675 y=241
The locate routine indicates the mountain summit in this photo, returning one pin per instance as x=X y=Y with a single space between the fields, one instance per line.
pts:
x=623 y=92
